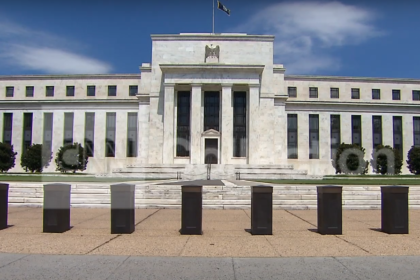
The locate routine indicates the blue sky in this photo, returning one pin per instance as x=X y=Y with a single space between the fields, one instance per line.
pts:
x=340 y=38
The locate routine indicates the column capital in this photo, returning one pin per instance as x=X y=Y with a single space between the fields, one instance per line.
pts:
x=169 y=85
x=196 y=85
x=254 y=85
x=227 y=85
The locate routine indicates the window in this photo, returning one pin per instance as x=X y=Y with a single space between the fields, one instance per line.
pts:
x=335 y=134
x=68 y=128
x=398 y=137
x=396 y=94
x=133 y=90
x=335 y=93
x=49 y=91
x=132 y=135
x=239 y=124
x=314 y=136
x=377 y=130
x=183 y=124
x=111 y=120
x=7 y=128
x=292 y=136
x=292 y=91
x=70 y=91
x=27 y=131
x=355 y=93
x=112 y=90
x=313 y=92
x=356 y=130
x=416 y=95
x=416 y=131
x=376 y=94
x=29 y=91
x=90 y=134
x=9 y=91
x=211 y=110
x=47 y=133
x=90 y=90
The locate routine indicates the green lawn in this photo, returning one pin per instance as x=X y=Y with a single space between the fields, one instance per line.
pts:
x=365 y=182
x=65 y=178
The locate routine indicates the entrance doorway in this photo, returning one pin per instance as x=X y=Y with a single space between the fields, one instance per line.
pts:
x=211 y=151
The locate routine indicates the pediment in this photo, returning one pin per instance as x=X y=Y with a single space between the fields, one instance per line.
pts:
x=211 y=132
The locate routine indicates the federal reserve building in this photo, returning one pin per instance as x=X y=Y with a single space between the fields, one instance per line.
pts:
x=205 y=99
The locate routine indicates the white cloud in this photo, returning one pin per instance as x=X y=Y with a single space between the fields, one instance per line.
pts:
x=26 y=49
x=306 y=31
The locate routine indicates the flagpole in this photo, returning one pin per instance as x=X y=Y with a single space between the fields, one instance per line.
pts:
x=213 y=16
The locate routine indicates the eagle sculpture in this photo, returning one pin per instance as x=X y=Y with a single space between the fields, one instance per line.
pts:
x=212 y=53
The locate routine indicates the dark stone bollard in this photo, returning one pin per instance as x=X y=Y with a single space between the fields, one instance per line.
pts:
x=394 y=209
x=330 y=210
x=122 y=208
x=262 y=210
x=56 y=208
x=192 y=210
x=4 y=204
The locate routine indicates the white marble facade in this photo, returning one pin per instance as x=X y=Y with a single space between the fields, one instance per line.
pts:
x=179 y=64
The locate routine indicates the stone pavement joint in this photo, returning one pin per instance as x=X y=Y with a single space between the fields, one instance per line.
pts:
x=347 y=268
x=106 y=242
x=301 y=218
x=147 y=217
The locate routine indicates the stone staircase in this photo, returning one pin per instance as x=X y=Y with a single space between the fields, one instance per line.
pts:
x=233 y=195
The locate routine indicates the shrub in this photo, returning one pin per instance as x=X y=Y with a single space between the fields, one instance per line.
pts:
x=380 y=160
x=35 y=158
x=413 y=160
x=71 y=157
x=349 y=159
x=7 y=157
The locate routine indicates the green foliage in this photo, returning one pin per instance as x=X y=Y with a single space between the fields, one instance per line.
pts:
x=349 y=159
x=380 y=160
x=35 y=158
x=7 y=157
x=413 y=160
x=71 y=157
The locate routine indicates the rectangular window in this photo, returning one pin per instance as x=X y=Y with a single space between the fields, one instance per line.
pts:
x=292 y=91
x=376 y=94
x=90 y=90
x=396 y=94
x=239 y=124
x=132 y=135
x=133 y=90
x=111 y=121
x=335 y=134
x=10 y=91
x=112 y=90
x=314 y=136
x=27 y=131
x=292 y=136
x=29 y=91
x=356 y=130
x=211 y=110
x=416 y=95
x=355 y=93
x=70 y=91
x=68 y=128
x=90 y=134
x=313 y=92
x=377 y=130
x=48 y=131
x=416 y=131
x=183 y=124
x=398 y=137
x=7 y=128
x=335 y=93
x=49 y=91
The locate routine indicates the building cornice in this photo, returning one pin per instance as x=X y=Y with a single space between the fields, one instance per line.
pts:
x=350 y=79
x=177 y=68
x=69 y=105
x=70 y=77
x=211 y=37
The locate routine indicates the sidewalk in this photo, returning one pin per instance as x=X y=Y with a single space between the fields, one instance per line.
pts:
x=224 y=235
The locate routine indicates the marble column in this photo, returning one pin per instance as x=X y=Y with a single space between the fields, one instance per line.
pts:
x=143 y=128
x=253 y=131
x=227 y=125
x=168 y=125
x=196 y=122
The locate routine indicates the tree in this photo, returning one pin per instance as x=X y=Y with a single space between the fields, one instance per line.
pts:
x=7 y=157
x=380 y=157
x=35 y=158
x=71 y=157
x=349 y=159
x=413 y=160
